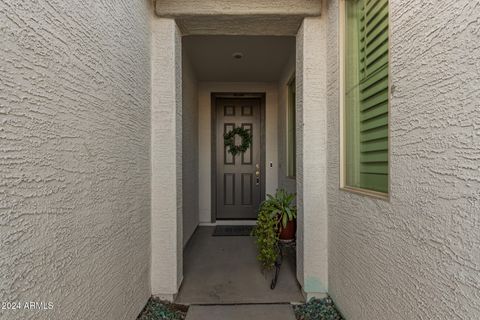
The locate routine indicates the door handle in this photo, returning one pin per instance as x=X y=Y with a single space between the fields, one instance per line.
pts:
x=257 y=174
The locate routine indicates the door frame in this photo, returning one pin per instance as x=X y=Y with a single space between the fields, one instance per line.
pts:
x=235 y=95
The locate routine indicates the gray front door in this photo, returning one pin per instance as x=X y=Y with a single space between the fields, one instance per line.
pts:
x=238 y=178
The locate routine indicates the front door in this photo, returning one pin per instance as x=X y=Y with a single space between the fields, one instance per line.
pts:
x=238 y=178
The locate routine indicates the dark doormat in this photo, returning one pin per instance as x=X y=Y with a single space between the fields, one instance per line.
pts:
x=225 y=231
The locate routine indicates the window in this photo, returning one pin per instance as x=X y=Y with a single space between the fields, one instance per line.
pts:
x=366 y=95
x=291 y=130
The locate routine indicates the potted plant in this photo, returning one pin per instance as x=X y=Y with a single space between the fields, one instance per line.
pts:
x=275 y=221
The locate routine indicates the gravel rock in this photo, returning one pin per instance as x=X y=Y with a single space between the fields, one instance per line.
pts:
x=317 y=309
x=157 y=309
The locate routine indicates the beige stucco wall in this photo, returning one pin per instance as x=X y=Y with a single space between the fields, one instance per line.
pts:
x=205 y=134
x=166 y=159
x=75 y=158
x=241 y=17
x=416 y=256
x=311 y=101
x=190 y=149
x=76 y=168
x=277 y=8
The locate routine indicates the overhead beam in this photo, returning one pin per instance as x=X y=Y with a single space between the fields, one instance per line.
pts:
x=240 y=25
x=189 y=8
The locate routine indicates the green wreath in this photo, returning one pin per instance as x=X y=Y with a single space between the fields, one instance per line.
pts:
x=229 y=139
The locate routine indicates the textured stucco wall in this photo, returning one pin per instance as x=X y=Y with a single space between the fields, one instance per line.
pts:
x=417 y=256
x=179 y=8
x=311 y=96
x=166 y=157
x=205 y=137
x=75 y=158
x=287 y=183
x=240 y=17
x=190 y=149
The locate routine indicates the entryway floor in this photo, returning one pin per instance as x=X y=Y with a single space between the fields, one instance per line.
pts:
x=242 y=312
x=224 y=270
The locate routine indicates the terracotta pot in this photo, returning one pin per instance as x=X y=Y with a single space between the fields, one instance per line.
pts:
x=288 y=233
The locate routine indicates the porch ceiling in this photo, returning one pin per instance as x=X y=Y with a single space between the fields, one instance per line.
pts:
x=239 y=17
x=264 y=57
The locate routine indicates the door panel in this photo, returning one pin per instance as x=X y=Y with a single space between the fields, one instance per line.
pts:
x=239 y=178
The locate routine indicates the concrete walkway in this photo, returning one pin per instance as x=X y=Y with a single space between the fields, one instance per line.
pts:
x=224 y=270
x=241 y=312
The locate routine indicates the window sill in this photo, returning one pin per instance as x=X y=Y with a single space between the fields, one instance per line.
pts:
x=368 y=193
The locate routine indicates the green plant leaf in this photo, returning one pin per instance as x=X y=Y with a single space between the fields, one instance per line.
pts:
x=274 y=213
x=289 y=213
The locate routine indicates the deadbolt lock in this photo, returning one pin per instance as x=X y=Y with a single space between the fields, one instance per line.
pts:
x=257 y=174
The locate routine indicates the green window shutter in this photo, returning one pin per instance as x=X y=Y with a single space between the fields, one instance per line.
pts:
x=371 y=137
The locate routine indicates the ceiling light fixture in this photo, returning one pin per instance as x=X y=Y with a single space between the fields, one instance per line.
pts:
x=237 y=55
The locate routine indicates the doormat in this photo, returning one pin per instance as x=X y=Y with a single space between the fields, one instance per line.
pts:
x=238 y=231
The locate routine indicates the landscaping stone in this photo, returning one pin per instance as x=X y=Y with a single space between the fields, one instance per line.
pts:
x=317 y=309
x=157 y=309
